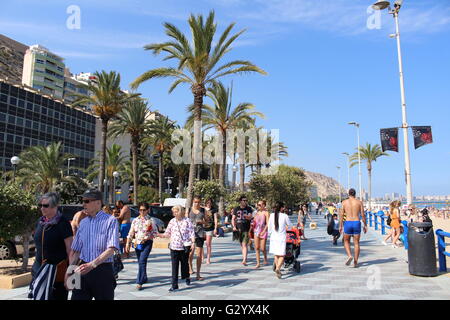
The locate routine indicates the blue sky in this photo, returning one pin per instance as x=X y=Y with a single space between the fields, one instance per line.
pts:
x=325 y=68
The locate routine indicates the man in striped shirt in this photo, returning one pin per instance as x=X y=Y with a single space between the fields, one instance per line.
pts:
x=93 y=247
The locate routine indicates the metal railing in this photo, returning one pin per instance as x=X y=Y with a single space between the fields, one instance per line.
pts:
x=441 y=235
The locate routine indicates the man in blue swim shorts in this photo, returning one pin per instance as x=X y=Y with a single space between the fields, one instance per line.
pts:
x=353 y=209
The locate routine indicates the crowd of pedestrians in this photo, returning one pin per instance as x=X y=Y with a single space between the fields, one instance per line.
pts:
x=91 y=241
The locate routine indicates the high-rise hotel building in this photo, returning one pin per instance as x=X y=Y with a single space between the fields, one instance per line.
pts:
x=44 y=71
x=28 y=118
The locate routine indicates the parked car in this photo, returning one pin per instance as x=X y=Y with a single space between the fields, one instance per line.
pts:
x=157 y=218
x=69 y=210
x=12 y=248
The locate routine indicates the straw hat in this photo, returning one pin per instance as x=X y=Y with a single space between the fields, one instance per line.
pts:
x=313 y=225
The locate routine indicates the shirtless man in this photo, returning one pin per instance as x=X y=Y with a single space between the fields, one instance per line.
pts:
x=124 y=220
x=76 y=220
x=352 y=209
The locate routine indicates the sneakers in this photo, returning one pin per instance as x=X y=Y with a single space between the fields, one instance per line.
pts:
x=172 y=289
x=394 y=246
x=188 y=282
x=384 y=243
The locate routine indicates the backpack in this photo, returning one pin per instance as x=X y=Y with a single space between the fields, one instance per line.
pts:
x=330 y=227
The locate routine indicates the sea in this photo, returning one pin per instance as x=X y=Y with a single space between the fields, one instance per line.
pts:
x=435 y=204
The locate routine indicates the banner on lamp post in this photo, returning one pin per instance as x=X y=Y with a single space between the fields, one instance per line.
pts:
x=389 y=139
x=422 y=135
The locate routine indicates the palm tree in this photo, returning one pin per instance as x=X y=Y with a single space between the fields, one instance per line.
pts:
x=197 y=66
x=107 y=100
x=223 y=117
x=132 y=120
x=145 y=171
x=159 y=137
x=115 y=160
x=42 y=167
x=368 y=153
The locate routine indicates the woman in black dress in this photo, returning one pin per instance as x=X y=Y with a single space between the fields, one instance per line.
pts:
x=53 y=238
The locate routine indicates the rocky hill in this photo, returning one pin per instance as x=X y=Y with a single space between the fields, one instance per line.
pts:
x=11 y=59
x=326 y=186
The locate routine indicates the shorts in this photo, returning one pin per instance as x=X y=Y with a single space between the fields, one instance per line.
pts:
x=124 y=230
x=352 y=228
x=242 y=236
x=199 y=242
x=209 y=233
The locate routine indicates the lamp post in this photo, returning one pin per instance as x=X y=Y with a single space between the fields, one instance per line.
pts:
x=356 y=124
x=381 y=5
x=68 y=165
x=15 y=161
x=339 y=181
x=169 y=182
x=348 y=169
x=115 y=175
x=105 y=184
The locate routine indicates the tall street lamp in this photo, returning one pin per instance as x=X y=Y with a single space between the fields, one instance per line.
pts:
x=356 y=124
x=348 y=169
x=115 y=175
x=381 y=5
x=68 y=165
x=339 y=181
x=15 y=161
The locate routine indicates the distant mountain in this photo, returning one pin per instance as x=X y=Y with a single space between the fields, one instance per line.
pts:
x=326 y=186
x=11 y=59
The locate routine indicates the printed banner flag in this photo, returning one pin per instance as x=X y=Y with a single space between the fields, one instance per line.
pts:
x=389 y=139
x=422 y=136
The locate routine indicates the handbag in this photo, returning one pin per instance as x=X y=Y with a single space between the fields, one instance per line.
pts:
x=117 y=262
x=251 y=232
x=389 y=220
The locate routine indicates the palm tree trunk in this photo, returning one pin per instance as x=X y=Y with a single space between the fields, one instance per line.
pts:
x=369 y=173
x=181 y=185
x=242 y=177
x=198 y=91
x=111 y=189
x=134 y=154
x=222 y=172
x=160 y=162
x=233 y=181
x=101 y=175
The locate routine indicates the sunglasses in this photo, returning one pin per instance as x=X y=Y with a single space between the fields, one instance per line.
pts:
x=40 y=205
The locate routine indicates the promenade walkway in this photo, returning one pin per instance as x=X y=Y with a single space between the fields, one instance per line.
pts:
x=383 y=274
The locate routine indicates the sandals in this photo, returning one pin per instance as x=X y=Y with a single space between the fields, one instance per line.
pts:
x=349 y=260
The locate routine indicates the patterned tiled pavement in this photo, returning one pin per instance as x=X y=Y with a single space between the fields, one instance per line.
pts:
x=383 y=274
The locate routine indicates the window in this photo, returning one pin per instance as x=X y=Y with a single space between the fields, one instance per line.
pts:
x=21 y=103
x=29 y=106
x=35 y=125
x=3 y=98
x=34 y=142
x=50 y=112
x=28 y=123
x=43 y=127
x=10 y=138
x=11 y=119
x=18 y=140
x=19 y=121
x=37 y=109
x=26 y=141
x=2 y=117
x=44 y=110
x=40 y=61
x=13 y=101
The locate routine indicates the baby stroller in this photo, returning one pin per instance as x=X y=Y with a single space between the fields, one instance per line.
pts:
x=292 y=249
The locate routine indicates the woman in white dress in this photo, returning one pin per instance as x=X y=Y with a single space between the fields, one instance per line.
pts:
x=278 y=222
